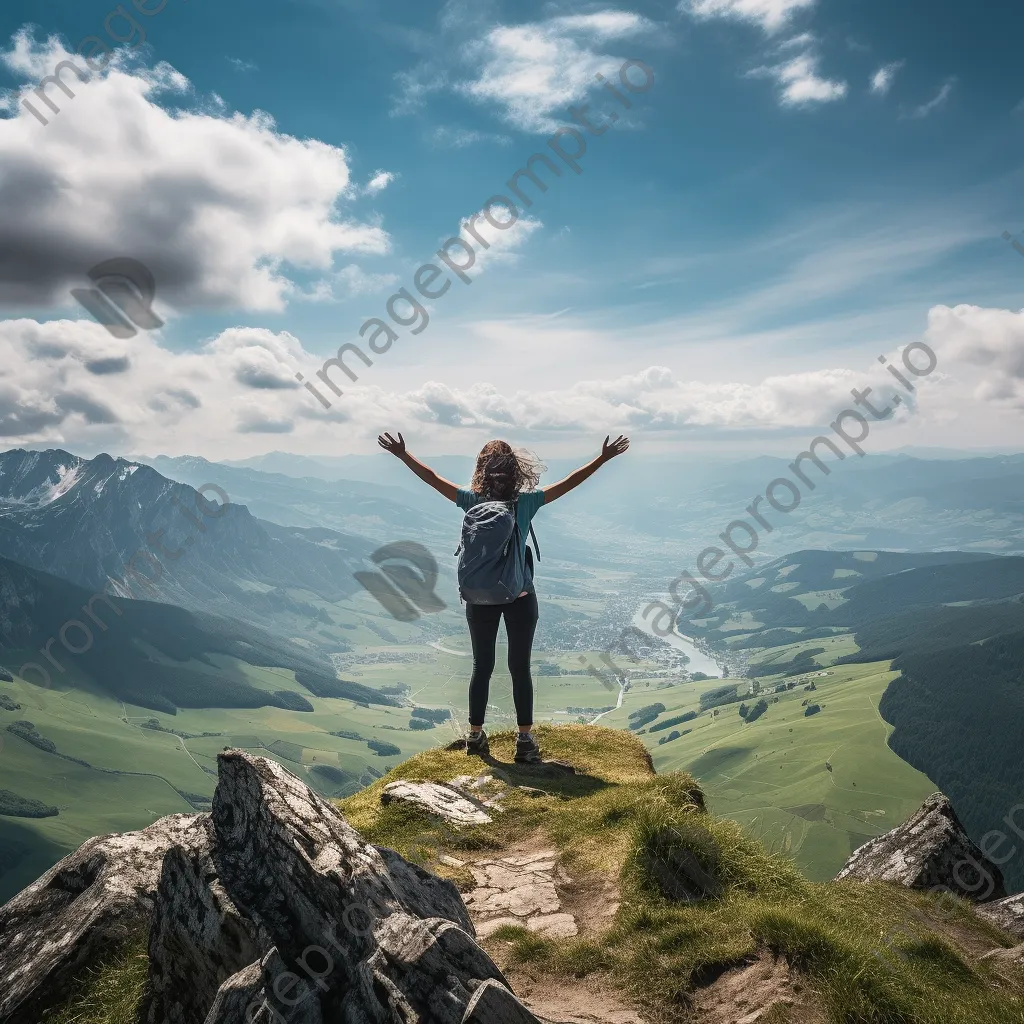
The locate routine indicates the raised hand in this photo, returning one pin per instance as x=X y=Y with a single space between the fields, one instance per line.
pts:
x=612 y=448
x=390 y=444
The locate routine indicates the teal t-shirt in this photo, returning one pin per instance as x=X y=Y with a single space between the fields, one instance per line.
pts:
x=529 y=502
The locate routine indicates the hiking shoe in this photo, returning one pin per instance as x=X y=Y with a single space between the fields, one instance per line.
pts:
x=476 y=743
x=527 y=751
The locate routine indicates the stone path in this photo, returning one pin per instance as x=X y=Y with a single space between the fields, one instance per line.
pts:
x=520 y=890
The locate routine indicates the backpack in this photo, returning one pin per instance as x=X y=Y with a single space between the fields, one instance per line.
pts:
x=490 y=570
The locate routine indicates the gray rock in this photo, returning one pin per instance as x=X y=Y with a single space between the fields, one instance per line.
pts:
x=444 y=801
x=196 y=942
x=82 y=909
x=381 y=940
x=266 y=992
x=236 y=995
x=930 y=851
x=1007 y=914
x=423 y=971
x=495 y=1004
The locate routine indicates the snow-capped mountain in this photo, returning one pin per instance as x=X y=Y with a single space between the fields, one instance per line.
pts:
x=119 y=526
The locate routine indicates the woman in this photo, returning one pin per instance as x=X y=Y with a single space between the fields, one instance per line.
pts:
x=503 y=474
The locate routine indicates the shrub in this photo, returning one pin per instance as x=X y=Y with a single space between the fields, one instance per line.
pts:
x=27 y=731
x=718 y=696
x=757 y=710
x=677 y=858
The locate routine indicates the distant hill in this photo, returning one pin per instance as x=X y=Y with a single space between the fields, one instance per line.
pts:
x=850 y=588
x=152 y=655
x=959 y=717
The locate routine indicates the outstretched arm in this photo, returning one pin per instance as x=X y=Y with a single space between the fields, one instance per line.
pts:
x=425 y=473
x=608 y=452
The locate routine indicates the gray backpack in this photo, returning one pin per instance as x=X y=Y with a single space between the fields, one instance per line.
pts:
x=490 y=570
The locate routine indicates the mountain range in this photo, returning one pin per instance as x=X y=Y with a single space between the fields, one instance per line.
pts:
x=112 y=525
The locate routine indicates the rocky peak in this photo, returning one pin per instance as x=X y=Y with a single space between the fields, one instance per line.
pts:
x=931 y=850
x=271 y=902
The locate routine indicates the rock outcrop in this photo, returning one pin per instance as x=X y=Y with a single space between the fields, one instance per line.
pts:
x=82 y=909
x=432 y=797
x=1007 y=914
x=197 y=940
x=270 y=908
x=930 y=851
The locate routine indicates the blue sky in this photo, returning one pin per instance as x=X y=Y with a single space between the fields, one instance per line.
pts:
x=807 y=184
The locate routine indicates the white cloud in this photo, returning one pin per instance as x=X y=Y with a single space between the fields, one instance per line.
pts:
x=802 y=42
x=532 y=71
x=800 y=83
x=502 y=243
x=770 y=15
x=882 y=79
x=348 y=283
x=215 y=203
x=653 y=399
x=378 y=182
x=70 y=382
x=937 y=101
x=990 y=339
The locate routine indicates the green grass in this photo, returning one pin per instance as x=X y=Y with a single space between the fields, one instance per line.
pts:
x=773 y=781
x=110 y=992
x=811 y=599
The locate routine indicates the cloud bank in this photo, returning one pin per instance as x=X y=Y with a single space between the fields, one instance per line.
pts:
x=218 y=205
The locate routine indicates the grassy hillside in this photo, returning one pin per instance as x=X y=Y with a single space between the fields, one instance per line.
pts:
x=770 y=775
x=617 y=819
x=952 y=622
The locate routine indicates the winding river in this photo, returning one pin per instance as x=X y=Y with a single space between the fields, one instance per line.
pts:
x=699 y=662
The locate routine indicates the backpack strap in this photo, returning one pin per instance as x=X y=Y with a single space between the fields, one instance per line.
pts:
x=533 y=535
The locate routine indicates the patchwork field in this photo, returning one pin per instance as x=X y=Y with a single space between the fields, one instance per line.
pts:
x=771 y=775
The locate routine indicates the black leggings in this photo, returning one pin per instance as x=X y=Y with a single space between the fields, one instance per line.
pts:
x=520 y=625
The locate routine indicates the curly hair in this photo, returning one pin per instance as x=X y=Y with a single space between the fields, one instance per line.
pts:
x=502 y=472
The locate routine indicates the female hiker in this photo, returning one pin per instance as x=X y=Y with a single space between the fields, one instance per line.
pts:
x=496 y=567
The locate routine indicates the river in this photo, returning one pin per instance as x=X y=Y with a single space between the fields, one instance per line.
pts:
x=699 y=662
